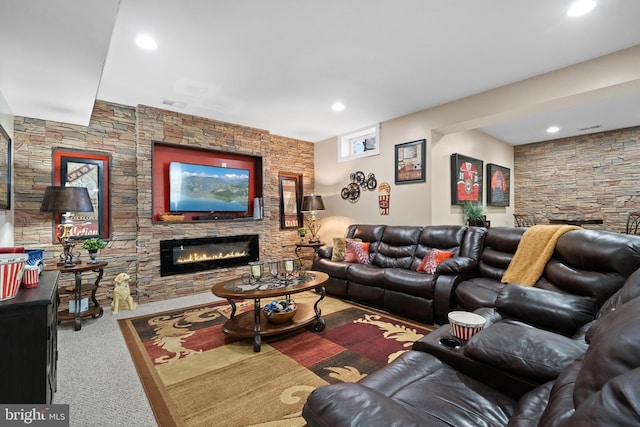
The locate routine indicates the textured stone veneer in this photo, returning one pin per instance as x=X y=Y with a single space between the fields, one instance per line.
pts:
x=126 y=134
x=594 y=176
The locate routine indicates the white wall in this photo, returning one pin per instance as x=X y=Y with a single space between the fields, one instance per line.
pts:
x=6 y=216
x=450 y=128
x=423 y=203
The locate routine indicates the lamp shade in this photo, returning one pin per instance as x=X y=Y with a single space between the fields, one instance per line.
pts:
x=312 y=203
x=66 y=199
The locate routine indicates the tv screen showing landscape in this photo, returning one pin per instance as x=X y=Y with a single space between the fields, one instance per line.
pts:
x=203 y=188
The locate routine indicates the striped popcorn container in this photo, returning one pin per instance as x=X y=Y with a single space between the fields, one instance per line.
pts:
x=31 y=276
x=11 y=268
x=464 y=325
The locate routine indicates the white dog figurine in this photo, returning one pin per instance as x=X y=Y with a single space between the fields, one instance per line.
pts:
x=122 y=294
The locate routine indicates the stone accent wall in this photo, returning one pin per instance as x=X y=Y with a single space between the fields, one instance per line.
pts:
x=279 y=155
x=590 y=176
x=126 y=133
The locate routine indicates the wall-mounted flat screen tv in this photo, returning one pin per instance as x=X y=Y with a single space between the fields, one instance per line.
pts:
x=204 y=188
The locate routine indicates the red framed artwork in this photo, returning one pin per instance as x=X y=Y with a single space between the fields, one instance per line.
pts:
x=466 y=179
x=498 y=185
x=91 y=170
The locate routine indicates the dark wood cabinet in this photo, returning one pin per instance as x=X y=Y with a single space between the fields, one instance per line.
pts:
x=28 y=343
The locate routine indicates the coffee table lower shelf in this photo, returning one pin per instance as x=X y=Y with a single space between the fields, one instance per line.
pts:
x=242 y=325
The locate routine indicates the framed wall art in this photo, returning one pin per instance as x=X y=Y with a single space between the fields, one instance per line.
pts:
x=361 y=143
x=290 y=185
x=91 y=170
x=466 y=179
x=498 y=185
x=410 y=162
x=5 y=170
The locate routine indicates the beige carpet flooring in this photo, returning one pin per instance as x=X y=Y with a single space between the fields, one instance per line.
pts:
x=96 y=376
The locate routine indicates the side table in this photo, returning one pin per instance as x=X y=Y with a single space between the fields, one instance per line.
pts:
x=314 y=246
x=95 y=311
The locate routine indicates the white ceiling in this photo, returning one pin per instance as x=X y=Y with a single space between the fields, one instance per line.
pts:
x=279 y=65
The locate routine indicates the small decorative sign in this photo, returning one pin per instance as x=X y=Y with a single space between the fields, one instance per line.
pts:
x=384 y=191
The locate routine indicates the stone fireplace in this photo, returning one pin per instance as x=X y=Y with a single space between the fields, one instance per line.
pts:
x=181 y=256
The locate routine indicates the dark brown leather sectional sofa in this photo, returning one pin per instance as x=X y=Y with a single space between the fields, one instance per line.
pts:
x=390 y=280
x=563 y=352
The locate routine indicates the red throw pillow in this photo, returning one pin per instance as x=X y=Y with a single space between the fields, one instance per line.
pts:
x=357 y=252
x=432 y=259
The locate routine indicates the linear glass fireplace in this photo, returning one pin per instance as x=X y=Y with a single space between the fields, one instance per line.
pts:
x=180 y=256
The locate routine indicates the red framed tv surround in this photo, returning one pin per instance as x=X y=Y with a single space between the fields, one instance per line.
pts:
x=165 y=153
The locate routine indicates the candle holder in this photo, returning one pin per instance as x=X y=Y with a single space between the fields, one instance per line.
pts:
x=274 y=268
x=289 y=270
x=257 y=268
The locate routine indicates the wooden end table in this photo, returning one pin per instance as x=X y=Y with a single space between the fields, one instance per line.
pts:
x=253 y=324
x=95 y=311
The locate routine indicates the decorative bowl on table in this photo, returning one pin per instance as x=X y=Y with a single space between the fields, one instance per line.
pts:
x=280 y=311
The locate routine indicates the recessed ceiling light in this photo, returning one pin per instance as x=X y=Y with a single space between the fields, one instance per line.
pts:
x=146 y=42
x=337 y=106
x=553 y=129
x=580 y=7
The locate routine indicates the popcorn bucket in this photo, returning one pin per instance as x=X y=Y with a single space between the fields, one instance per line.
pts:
x=11 y=268
x=31 y=276
x=464 y=325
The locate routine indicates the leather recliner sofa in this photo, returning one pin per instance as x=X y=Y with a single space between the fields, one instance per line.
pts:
x=601 y=387
x=530 y=344
x=532 y=333
x=390 y=281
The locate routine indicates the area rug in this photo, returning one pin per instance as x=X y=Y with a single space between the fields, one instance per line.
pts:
x=194 y=375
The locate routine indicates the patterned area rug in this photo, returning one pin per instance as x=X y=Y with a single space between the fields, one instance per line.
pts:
x=194 y=375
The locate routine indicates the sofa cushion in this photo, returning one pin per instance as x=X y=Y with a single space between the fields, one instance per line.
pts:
x=397 y=247
x=592 y=263
x=415 y=389
x=604 y=361
x=560 y=403
x=500 y=244
x=616 y=404
x=548 y=309
x=478 y=292
x=524 y=350
x=443 y=237
x=433 y=259
x=340 y=248
x=528 y=411
x=628 y=291
x=357 y=252
x=409 y=282
x=366 y=274
x=367 y=233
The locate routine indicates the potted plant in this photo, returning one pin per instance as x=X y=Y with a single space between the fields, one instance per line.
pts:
x=93 y=244
x=473 y=212
x=302 y=232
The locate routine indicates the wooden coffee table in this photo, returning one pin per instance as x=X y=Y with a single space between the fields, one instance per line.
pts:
x=253 y=323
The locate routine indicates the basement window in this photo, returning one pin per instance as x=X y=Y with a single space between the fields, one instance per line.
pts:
x=361 y=143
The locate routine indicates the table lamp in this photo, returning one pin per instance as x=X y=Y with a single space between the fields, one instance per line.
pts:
x=65 y=200
x=312 y=204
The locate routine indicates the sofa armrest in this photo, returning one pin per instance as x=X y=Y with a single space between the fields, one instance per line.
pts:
x=551 y=310
x=490 y=314
x=444 y=297
x=351 y=404
x=457 y=265
x=524 y=350
x=325 y=251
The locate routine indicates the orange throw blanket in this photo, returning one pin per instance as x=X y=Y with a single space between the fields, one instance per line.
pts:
x=534 y=250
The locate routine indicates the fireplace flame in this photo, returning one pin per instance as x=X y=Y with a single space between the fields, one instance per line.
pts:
x=206 y=256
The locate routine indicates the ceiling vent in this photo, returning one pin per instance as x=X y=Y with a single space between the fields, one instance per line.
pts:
x=589 y=128
x=174 y=103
